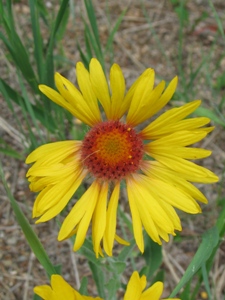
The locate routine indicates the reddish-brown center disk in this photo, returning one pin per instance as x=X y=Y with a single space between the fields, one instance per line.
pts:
x=111 y=150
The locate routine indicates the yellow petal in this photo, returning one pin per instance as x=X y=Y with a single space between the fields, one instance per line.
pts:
x=86 y=219
x=61 y=289
x=171 y=195
x=136 y=219
x=150 y=209
x=85 y=86
x=71 y=94
x=186 y=169
x=99 y=218
x=58 y=197
x=53 y=152
x=121 y=241
x=111 y=214
x=100 y=85
x=85 y=203
x=117 y=84
x=166 y=96
x=141 y=96
x=57 y=98
x=134 y=287
x=154 y=292
x=44 y=291
x=128 y=98
x=180 y=138
x=171 y=116
x=166 y=129
x=184 y=152
x=145 y=109
x=156 y=170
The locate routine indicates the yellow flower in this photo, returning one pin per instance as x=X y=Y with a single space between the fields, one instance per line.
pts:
x=154 y=162
x=136 y=286
x=59 y=290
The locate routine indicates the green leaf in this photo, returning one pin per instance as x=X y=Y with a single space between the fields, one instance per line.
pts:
x=10 y=152
x=119 y=267
x=218 y=20
x=93 y=21
x=49 y=68
x=8 y=93
x=126 y=251
x=112 y=286
x=186 y=294
x=83 y=286
x=37 y=38
x=36 y=297
x=16 y=48
x=220 y=223
x=204 y=112
x=152 y=256
x=28 y=231
x=87 y=251
x=206 y=281
x=209 y=241
x=114 y=30
x=98 y=277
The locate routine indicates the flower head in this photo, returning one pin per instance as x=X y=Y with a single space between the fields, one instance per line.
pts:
x=154 y=162
x=59 y=290
x=135 y=289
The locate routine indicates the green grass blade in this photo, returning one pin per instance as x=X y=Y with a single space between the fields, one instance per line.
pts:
x=85 y=58
x=16 y=48
x=49 y=74
x=152 y=255
x=204 y=112
x=38 y=45
x=7 y=150
x=88 y=47
x=93 y=32
x=206 y=281
x=28 y=231
x=94 y=44
x=218 y=20
x=99 y=278
x=113 y=32
x=209 y=241
x=8 y=93
x=93 y=21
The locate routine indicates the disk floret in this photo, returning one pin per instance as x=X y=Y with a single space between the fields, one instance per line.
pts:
x=112 y=150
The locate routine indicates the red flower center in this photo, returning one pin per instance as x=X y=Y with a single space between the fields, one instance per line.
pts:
x=112 y=150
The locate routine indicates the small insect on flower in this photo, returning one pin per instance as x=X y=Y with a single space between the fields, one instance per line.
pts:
x=154 y=163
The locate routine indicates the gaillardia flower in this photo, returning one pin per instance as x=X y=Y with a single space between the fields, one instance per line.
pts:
x=154 y=162
x=135 y=289
x=59 y=290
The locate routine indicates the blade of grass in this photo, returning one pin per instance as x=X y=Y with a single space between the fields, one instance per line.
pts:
x=206 y=281
x=99 y=278
x=38 y=45
x=93 y=21
x=218 y=20
x=109 y=43
x=209 y=242
x=94 y=29
x=10 y=94
x=49 y=69
x=16 y=48
x=28 y=231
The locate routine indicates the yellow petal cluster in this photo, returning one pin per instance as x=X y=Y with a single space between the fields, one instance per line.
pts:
x=162 y=184
x=136 y=290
